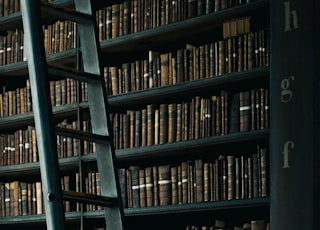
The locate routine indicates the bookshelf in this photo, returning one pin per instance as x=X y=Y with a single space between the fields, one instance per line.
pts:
x=142 y=46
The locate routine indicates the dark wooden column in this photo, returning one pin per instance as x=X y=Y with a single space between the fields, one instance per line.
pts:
x=295 y=114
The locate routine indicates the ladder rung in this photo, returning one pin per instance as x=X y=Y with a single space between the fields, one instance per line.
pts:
x=60 y=12
x=80 y=134
x=58 y=71
x=87 y=198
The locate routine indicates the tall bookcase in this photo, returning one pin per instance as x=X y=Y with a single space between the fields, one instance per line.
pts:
x=192 y=94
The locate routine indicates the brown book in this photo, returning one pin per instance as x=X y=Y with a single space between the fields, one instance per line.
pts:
x=156 y=126
x=126 y=72
x=126 y=130
x=129 y=188
x=155 y=174
x=237 y=164
x=164 y=60
x=142 y=188
x=164 y=184
x=150 y=124
x=258 y=225
x=206 y=181
x=199 y=177
x=185 y=120
x=184 y=182
x=114 y=80
x=218 y=117
x=7 y=199
x=137 y=123
x=264 y=171
x=196 y=119
x=179 y=122
x=132 y=133
x=217 y=180
x=115 y=19
x=174 y=184
x=191 y=182
x=245 y=110
x=257 y=102
x=39 y=198
x=221 y=57
x=231 y=177
x=172 y=122
x=250 y=180
x=179 y=178
x=138 y=75
x=144 y=127
x=250 y=50
x=149 y=186
x=180 y=65
x=163 y=124
x=173 y=68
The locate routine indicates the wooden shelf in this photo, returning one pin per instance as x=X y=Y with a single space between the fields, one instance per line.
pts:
x=124 y=48
x=258 y=76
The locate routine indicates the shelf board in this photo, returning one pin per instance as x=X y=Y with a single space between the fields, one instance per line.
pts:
x=147 y=211
x=144 y=97
x=140 y=153
x=21 y=68
x=124 y=47
x=188 y=208
x=183 y=147
x=32 y=219
x=172 y=92
x=25 y=119
x=33 y=168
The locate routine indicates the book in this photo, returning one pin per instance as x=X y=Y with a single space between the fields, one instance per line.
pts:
x=164 y=185
x=149 y=186
x=135 y=187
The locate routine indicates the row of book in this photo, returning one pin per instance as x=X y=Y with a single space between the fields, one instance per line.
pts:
x=256 y=224
x=58 y=37
x=19 y=198
x=131 y=16
x=21 y=146
x=12 y=47
x=227 y=177
x=199 y=117
x=235 y=54
x=19 y=101
x=8 y=7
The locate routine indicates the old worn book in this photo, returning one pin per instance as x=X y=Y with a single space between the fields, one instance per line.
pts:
x=199 y=180
x=231 y=177
x=142 y=187
x=149 y=186
x=164 y=184
x=135 y=186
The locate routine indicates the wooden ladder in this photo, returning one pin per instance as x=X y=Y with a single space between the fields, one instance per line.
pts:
x=33 y=14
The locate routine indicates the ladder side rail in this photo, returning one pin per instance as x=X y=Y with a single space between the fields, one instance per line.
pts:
x=99 y=117
x=46 y=139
